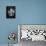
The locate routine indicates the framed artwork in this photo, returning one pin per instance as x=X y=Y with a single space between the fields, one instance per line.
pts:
x=11 y=12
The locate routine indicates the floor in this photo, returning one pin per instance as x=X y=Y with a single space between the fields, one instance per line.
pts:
x=34 y=43
x=28 y=43
x=7 y=45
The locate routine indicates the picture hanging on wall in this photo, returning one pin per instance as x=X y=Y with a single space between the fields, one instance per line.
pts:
x=11 y=12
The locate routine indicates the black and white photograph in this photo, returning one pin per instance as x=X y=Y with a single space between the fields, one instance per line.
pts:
x=11 y=12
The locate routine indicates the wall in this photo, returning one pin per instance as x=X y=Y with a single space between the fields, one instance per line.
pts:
x=31 y=11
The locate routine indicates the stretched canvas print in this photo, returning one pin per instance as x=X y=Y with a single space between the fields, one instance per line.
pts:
x=28 y=33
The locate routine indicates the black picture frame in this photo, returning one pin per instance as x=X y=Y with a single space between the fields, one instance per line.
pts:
x=10 y=11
